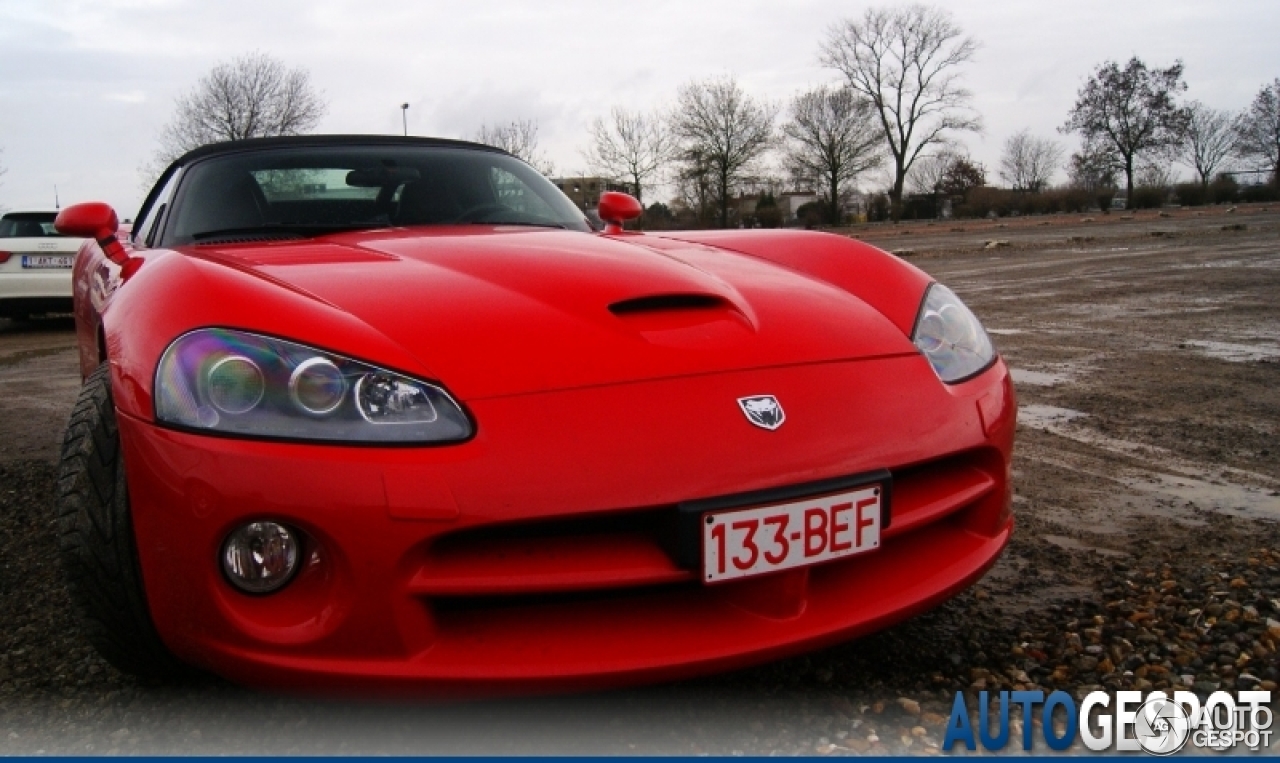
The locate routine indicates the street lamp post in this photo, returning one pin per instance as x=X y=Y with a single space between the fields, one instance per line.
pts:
x=404 y=114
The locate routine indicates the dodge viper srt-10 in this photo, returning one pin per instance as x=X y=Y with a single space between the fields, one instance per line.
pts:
x=389 y=415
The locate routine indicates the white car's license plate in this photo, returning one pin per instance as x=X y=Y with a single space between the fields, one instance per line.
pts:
x=45 y=261
x=744 y=542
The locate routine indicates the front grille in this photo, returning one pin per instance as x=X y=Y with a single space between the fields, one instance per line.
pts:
x=459 y=606
x=611 y=551
x=554 y=562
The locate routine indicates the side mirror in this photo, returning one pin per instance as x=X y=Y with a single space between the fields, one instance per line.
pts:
x=97 y=221
x=89 y=220
x=615 y=209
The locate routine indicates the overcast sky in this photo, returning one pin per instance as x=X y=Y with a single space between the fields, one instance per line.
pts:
x=86 y=86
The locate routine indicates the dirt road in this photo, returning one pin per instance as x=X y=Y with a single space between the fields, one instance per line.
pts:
x=1146 y=352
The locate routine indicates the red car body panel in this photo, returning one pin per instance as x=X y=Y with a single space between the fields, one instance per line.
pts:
x=536 y=555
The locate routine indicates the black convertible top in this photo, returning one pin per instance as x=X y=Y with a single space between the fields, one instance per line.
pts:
x=286 y=141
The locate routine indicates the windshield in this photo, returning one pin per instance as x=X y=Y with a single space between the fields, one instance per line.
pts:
x=28 y=225
x=306 y=191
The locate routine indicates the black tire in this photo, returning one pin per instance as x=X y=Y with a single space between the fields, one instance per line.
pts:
x=96 y=543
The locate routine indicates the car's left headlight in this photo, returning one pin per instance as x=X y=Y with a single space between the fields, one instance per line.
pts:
x=240 y=383
x=951 y=336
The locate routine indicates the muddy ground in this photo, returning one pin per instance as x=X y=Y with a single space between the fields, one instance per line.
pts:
x=1146 y=352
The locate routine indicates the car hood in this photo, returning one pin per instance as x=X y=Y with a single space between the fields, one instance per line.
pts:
x=505 y=311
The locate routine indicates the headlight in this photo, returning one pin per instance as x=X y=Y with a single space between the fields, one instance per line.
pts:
x=951 y=337
x=246 y=384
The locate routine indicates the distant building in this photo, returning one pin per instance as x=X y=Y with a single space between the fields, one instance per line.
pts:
x=743 y=207
x=789 y=203
x=585 y=191
x=855 y=206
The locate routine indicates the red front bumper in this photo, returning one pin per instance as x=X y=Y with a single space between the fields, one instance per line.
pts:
x=536 y=556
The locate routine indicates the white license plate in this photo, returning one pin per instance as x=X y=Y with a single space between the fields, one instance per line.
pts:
x=45 y=261
x=745 y=542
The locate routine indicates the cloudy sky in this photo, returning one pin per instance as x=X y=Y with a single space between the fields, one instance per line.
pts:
x=85 y=87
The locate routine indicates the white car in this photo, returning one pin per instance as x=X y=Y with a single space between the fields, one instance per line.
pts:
x=35 y=265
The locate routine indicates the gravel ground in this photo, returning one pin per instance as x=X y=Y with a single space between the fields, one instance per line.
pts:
x=1147 y=554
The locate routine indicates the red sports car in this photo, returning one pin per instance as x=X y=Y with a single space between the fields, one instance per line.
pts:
x=387 y=414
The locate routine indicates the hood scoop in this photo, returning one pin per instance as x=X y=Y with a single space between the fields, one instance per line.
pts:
x=249 y=238
x=662 y=303
x=686 y=321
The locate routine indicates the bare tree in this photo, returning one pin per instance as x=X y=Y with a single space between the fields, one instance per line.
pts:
x=832 y=138
x=631 y=147
x=1209 y=141
x=1092 y=168
x=946 y=173
x=520 y=139
x=723 y=130
x=927 y=173
x=253 y=96
x=1029 y=162
x=694 y=184
x=1153 y=173
x=906 y=61
x=1130 y=112
x=1259 y=131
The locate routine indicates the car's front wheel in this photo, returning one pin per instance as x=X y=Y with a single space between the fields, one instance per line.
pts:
x=99 y=556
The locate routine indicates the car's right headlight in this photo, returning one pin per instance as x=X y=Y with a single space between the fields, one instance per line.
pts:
x=249 y=385
x=951 y=336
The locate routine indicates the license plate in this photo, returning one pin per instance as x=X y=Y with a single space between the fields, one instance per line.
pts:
x=45 y=261
x=746 y=542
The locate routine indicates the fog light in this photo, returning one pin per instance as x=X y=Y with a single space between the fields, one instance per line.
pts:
x=260 y=557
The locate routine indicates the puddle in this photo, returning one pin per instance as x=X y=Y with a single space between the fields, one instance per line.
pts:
x=1209 y=480
x=1259 y=332
x=1108 y=499
x=1039 y=416
x=20 y=356
x=1058 y=421
x=1043 y=295
x=1260 y=503
x=1215 y=264
x=1005 y=332
x=1153 y=308
x=1072 y=544
x=1153 y=494
x=1038 y=378
x=1236 y=353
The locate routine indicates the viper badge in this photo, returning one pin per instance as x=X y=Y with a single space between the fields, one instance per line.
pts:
x=763 y=411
